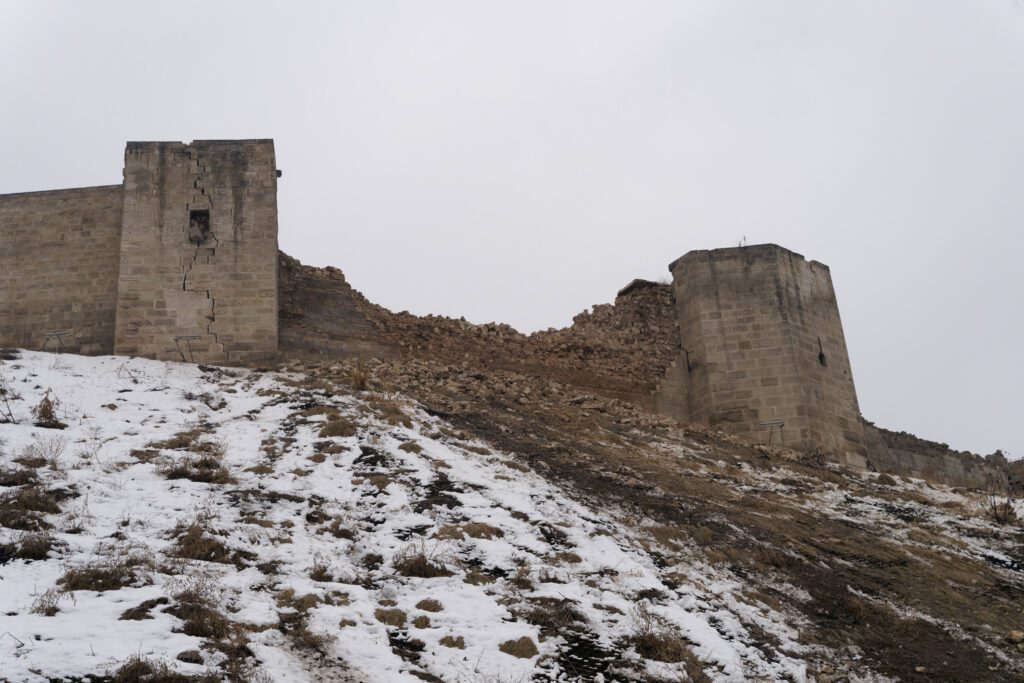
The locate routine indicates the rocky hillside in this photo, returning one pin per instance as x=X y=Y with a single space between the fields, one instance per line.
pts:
x=416 y=520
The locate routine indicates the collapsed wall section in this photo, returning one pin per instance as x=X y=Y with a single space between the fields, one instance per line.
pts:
x=763 y=353
x=198 y=272
x=58 y=268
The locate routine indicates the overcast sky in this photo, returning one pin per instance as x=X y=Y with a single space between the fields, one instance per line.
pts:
x=521 y=161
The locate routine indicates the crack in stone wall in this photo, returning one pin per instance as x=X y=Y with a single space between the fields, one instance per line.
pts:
x=199 y=250
x=202 y=201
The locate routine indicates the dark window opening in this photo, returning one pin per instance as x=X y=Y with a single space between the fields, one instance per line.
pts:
x=821 y=354
x=199 y=226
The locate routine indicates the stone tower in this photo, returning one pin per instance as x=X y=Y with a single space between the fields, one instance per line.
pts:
x=763 y=353
x=198 y=251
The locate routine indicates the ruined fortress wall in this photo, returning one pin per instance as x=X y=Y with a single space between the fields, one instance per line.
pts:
x=750 y=320
x=199 y=251
x=58 y=267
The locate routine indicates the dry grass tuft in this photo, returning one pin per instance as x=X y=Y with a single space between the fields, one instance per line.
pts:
x=31 y=546
x=452 y=641
x=475 y=577
x=411 y=447
x=552 y=615
x=653 y=639
x=205 y=469
x=48 y=603
x=196 y=541
x=449 y=532
x=422 y=621
x=416 y=560
x=24 y=508
x=999 y=503
x=179 y=441
x=338 y=426
x=359 y=377
x=482 y=530
x=567 y=558
x=429 y=605
x=109 y=574
x=45 y=413
x=140 y=670
x=196 y=604
x=340 y=527
x=392 y=616
x=521 y=579
x=293 y=620
x=144 y=454
x=321 y=569
x=17 y=477
x=142 y=610
x=524 y=648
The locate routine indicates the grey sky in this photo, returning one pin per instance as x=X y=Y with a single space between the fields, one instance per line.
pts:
x=520 y=161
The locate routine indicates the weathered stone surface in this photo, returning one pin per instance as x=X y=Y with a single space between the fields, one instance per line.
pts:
x=58 y=267
x=763 y=354
x=181 y=263
x=199 y=251
x=186 y=247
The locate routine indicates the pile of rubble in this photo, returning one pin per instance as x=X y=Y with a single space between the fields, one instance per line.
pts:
x=618 y=349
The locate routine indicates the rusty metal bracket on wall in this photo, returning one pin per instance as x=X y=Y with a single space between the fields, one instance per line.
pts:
x=56 y=335
x=770 y=425
x=187 y=338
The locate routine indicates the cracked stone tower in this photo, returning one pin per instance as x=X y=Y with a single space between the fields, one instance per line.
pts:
x=197 y=278
x=763 y=355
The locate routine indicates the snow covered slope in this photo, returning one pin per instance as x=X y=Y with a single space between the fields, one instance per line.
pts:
x=258 y=526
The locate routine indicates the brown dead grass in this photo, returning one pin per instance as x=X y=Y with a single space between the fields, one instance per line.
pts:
x=449 y=532
x=429 y=605
x=205 y=469
x=16 y=515
x=202 y=616
x=455 y=642
x=392 y=616
x=196 y=541
x=31 y=546
x=141 y=670
x=523 y=648
x=416 y=560
x=108 y=574
x=180 y=441
x=338 y=427
x=482 y=530
x=17 y=477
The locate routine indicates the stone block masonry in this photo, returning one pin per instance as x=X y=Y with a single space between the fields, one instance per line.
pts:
x=179 y=262
x=58 y=267
x=198 y=272
x=763 y=354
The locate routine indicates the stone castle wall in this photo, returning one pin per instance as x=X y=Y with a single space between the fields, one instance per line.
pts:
x=58 y=267
x=198 y=276
x=181 y=263
x=762 y=344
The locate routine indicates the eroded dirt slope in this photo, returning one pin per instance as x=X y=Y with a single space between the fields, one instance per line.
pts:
x=890 y=577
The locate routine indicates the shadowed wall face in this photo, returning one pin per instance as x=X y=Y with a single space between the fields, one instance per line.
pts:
x=198 y=271
x=763 y=354
x=58 y=267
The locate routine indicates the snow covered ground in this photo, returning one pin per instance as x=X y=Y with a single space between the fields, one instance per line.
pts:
x=390 y=548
